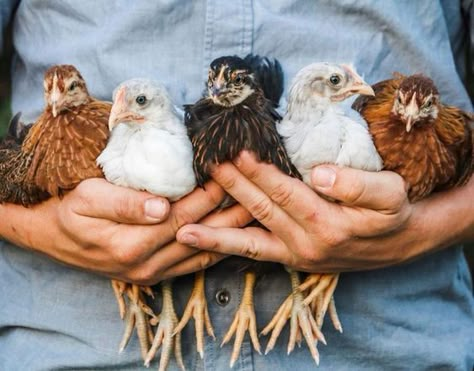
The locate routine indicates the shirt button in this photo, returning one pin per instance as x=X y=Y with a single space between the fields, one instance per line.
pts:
x=222 y=297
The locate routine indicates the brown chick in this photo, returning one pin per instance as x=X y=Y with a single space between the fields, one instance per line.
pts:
x=58 y=152
x=426 y=142
x=61 y=147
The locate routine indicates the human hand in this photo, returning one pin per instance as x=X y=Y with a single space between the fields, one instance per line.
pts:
x=119 y=232
x=308 y=232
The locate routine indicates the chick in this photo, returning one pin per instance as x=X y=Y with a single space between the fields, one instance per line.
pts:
x=317 y=129
x=148 y=150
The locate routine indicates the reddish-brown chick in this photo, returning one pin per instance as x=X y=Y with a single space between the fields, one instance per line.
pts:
x=61 y=147
x=428 y=143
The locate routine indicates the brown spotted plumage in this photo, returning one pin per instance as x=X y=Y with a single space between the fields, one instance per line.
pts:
x=428 y=143
x=61 y=147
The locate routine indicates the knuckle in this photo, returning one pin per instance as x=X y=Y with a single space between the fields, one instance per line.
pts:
x=226 y=181
x=250 y=249
x=143 y=276
x=262 y=208
x=332 y=239
x=253 y=173
x=356 y=192
x=83 y=197
x=282 y=195
x=214 y=196
x=312 y=217
x=398 y=197
x=180 y=217
x=123 y=207
x=309 y=256
x=206 y=260
x=125 y=254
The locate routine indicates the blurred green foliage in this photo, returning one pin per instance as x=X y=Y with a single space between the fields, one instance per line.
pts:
x=5 y=115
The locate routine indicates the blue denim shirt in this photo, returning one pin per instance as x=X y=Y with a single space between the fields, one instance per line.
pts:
x=416 y=316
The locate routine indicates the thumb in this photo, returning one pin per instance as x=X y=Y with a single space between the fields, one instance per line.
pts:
x=98 y=198
x=384 y=190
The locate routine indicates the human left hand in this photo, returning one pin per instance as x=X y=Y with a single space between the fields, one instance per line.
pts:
x=373 y=225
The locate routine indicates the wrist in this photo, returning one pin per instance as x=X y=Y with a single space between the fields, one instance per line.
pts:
x=444 y=219
x=23 y=226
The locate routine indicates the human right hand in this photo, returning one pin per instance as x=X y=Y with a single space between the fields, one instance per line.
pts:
x=119 y=232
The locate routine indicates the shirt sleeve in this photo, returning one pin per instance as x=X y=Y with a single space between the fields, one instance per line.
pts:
x=6 y=11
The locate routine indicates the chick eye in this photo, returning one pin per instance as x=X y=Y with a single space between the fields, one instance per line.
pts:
x=238 y=79
x=141 y=100
x=399 y=99
x=428 y=104
x=334 y=79
x=73 y=86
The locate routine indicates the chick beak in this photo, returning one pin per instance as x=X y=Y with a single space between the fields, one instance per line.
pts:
x=218 y=85
x=216 y=90
x=120 y=112
x=409 y=123
x=56 y=101
x=411 y=112
x=357 y=85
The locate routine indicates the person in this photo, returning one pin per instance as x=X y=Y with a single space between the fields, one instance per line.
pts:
x=406 y=300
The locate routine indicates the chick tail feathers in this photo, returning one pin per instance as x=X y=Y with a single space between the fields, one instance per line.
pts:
x=269 y=75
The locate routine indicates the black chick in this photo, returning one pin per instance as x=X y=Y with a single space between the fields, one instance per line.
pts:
x=238 y=112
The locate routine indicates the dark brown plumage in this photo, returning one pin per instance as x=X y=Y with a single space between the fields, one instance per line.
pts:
x=428 y=143
x=61 y=147
x=219 y=133
x=238 y=113
x=17 y=131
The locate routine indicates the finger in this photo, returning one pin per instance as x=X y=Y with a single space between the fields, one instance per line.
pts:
x=189 y=209
x=291 y=194
x=177 y=259
x=384 y=191
x=251 y=242
x=193 y=264
x=98 y=198
x=255 y=201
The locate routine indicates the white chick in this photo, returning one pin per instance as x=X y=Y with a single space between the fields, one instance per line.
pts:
x=148 y=150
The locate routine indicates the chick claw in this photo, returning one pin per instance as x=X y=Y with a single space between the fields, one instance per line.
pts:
x=322 y=295
x=301 y=320
x=197 y=308
x=244 y=320
x=164 y=333
x=136 y=314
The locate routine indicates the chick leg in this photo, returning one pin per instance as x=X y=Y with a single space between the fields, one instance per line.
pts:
x=244 y=320
x=322 y=292
x=134 y=310
x=164 y=332
x=301 y=319
x=197 y=307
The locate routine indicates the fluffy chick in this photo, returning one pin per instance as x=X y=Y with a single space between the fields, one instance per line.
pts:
x=237 y=112
x=316 y=129
x=60 y=148
x=428 y=143
x=148 y=150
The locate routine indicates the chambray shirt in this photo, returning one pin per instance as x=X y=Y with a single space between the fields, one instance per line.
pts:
x=416 y=316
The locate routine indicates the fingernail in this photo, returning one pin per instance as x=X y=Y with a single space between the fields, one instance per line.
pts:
x=188 y=239
x=155 y=208
x=324 y=177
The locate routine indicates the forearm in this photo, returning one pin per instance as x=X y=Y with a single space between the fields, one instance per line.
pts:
x=443 y=219
x=17 y=223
